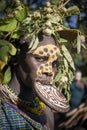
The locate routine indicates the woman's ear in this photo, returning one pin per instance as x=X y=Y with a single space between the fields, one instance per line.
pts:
x=14 y=61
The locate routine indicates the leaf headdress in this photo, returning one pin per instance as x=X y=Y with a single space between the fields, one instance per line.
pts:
x=49 y=20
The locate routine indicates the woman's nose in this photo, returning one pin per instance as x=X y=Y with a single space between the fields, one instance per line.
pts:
x=46 y=69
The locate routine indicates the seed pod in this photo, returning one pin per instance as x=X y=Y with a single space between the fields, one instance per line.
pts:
x=37 y=14
x=48 y=4
x=47 y=31
x=49 y=10
x=48 y=16
x=48 y=24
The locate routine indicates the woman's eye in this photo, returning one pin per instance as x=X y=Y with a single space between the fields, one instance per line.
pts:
x=41 y=59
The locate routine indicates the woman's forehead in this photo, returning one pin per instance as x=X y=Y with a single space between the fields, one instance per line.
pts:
x=45 y=49
x=47 y=45
x=47 y=40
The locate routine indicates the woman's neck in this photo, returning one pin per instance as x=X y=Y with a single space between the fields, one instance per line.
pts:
x=14 y=85
x=21 y=91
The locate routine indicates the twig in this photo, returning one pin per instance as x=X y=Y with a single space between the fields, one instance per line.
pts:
x=62 y=5
x=75 y=116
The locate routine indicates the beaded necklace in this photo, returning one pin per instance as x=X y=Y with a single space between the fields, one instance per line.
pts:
x=35 y=107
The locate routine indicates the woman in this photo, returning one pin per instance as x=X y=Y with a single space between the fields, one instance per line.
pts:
x=31 y=87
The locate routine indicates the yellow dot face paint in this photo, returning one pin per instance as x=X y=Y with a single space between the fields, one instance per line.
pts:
x=50 y=53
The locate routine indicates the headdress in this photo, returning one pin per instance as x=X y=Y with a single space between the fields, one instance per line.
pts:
x=49 y=20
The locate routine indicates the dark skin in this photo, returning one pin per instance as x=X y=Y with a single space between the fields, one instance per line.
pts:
x=25 y=72
x=25 y=75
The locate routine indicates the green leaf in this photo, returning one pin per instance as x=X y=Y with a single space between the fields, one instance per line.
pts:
x=32 y=39
x=68 y=95
x=70 y=75
x=8 y=25
x=73 y=10
x=21 y=14
x=55 y=19
x=62 y=40
x=68 y=56
x=78 y=44
x=58 y=75
x=3 y=5
x=12 y=49
x=35 y=44
x=4 y=53
x=6 y=48
x=7 y=76
x=66 y=64
x=16 y=35
x=83 y=46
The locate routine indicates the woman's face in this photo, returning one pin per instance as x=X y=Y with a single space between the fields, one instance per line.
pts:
x=42 y=64
x=37 y=71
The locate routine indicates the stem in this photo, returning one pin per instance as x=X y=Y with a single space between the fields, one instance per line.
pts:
x=66 y=2
x=62 y=5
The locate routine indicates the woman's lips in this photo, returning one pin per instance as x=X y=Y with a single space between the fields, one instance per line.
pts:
x=44 y=81
x=51 y=96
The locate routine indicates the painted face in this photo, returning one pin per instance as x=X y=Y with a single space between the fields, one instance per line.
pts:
x=40 y=66
x=48 y=56
x=38 y=70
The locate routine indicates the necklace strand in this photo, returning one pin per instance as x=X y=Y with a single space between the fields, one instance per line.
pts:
x=36 y=106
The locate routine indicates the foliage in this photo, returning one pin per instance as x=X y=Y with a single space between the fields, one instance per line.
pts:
x=49 y=19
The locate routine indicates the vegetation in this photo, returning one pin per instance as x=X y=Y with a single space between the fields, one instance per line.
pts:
x=21 y=20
